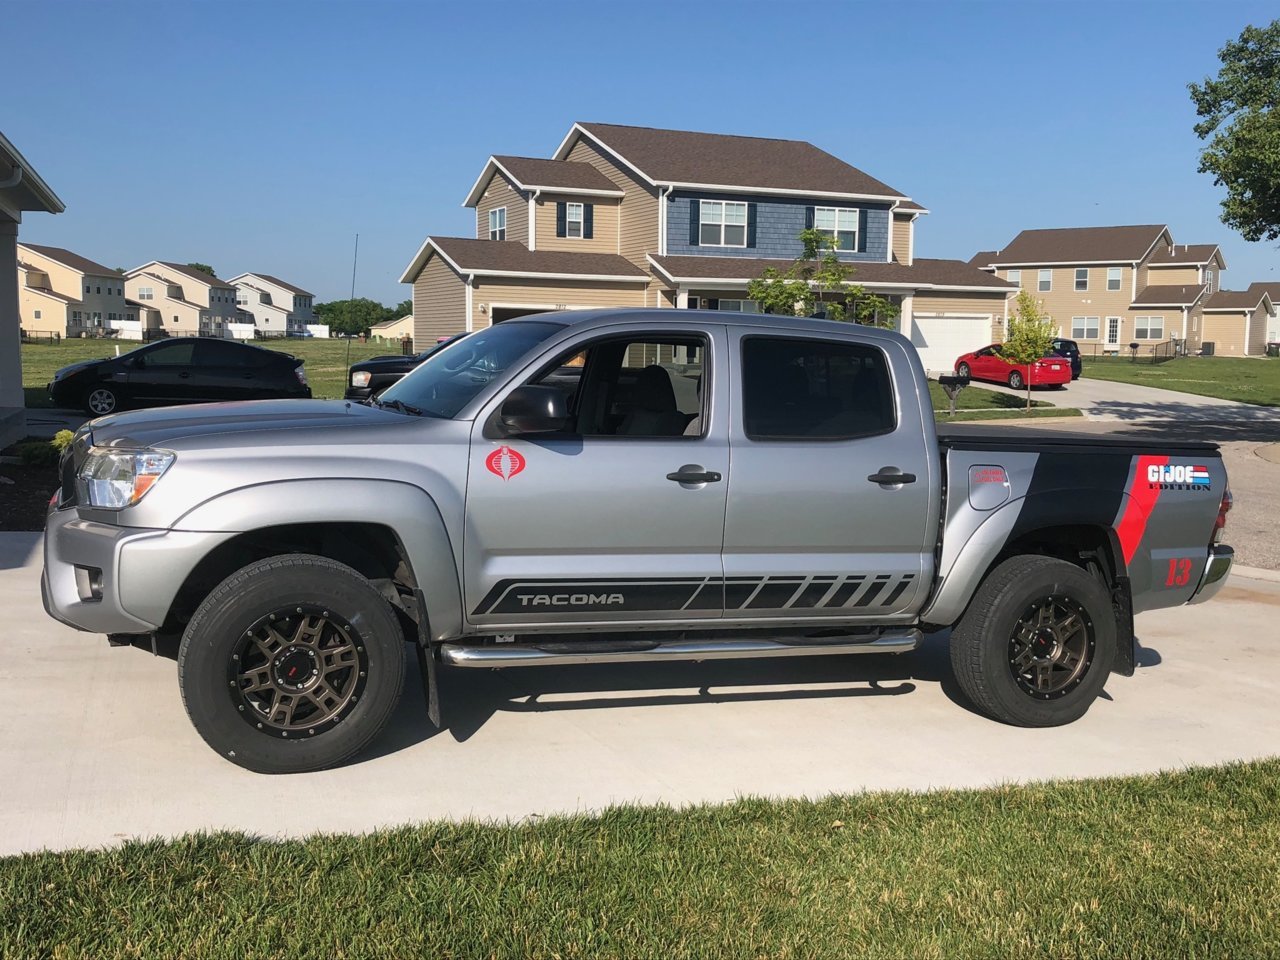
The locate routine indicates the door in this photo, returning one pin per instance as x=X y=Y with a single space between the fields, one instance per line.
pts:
x=620 y=516
x=165 y=374
x=1113 y=331
x=808 y=534
x=229 y=371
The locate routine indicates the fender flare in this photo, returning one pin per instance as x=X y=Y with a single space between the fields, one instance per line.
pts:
x=408 y=511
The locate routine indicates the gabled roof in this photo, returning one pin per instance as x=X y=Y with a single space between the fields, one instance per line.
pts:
x=1271 y=289
x=1169 y=295
x=508 y=258
x=199 y=276
x=29 y=190
x=921 y=274
x=982 y=258
x=529 y=173
x=52 y=294
x=1080 y=245
x=1185 y=255
x=270 y=279
x=69 y=259
x=386 y=324
x=684 y=158
x=1243 y=301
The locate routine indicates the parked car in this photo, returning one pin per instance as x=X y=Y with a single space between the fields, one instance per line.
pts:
x=988 y=364
x=1071 y=350
x=179 y=370
x=508 y=505
x=368 y=378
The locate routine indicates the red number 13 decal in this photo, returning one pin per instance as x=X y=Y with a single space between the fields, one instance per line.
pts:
x=1179 y=573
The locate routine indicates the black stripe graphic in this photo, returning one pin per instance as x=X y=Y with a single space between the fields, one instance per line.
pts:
x=814 y=592
x=872 y=591
x=847 y=590
x=776 y=593
x=898 y=590
x=710 y=596
x=737 y=590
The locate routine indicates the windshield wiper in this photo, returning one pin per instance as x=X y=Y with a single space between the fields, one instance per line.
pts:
x=398 y=405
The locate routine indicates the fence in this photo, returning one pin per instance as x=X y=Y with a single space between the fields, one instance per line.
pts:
x=1150 y=353
x=39 y=336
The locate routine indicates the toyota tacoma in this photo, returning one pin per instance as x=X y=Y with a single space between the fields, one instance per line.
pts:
x=610 y=487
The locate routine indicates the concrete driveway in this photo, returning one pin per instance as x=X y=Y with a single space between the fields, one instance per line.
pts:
x=97 y=748
x=1109 y=400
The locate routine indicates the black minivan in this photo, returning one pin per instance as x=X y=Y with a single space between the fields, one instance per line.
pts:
x=179 y=370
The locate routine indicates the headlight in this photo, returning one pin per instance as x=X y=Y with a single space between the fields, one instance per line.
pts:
x=119 y=478
x=361 y=378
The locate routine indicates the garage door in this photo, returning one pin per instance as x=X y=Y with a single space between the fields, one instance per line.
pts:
x=939 y=340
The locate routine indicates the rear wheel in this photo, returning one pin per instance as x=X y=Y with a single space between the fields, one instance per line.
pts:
x=101 y=401
x=1016 y=381
x=293 y=663
x=1036 y=645
x=963 y=370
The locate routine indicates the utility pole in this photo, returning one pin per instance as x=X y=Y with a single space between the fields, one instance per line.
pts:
x=351 y=300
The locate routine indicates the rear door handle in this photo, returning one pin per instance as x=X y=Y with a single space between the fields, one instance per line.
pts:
x=693 y=473
x=891 y=476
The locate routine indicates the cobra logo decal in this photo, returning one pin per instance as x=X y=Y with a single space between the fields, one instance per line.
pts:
x=504 y=462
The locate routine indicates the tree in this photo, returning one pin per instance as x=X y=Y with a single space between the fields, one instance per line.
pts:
x=819 y=279
x=353 y=316
x=1030 y=335
x=1240 y=120
x=203 y=268
x=402 y=309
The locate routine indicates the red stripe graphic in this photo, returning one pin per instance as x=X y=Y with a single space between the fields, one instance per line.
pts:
x=1138 y=506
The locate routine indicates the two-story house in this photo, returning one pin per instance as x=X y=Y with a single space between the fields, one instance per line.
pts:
x=637 y=216
x=181 y=300
x=65 y=293
x=273 y=306
x=1108 y=287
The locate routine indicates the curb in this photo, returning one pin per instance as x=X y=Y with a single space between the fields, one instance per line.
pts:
x=1255 y=573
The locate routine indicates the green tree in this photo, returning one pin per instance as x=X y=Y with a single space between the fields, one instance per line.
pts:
x=819 y=279
x=1240 y=120
x=1030 y=336
x=402 y=309
x=203 y=268
x=352 y=316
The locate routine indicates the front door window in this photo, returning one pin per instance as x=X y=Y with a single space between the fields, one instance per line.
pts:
x=1113 y=331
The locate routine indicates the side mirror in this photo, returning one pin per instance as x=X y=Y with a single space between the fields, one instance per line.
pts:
x=535 y=409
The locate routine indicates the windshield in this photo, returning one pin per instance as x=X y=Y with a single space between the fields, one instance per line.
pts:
x=452 y=376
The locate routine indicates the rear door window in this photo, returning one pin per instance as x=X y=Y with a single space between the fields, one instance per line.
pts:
x=802 y=389
x=171 y=355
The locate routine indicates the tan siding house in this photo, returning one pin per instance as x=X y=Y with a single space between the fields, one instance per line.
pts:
x=439 y=303
x=497 y=195
x=604 y=215
x=903 y=228
x=638 y=212
x=72 y=295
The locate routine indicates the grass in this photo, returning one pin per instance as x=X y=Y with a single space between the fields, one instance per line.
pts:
x=1181 y=864
x=326 y=361
x=974 y=403
x=1247 y=380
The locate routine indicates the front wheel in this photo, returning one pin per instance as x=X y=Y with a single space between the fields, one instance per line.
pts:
x=1036 y=645
x=293 y=663
x=1016 y=381
x=963 y=370
x=101 y=401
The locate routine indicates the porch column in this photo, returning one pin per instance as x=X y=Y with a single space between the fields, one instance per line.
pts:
x=682 y=298
x=904 y=319
x=12 y=415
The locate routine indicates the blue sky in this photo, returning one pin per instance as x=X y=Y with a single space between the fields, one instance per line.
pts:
x=264 y=136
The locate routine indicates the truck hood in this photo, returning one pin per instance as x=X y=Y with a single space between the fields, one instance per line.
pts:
x=165 y=426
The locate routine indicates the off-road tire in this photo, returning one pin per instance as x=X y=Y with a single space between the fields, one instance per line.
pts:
x=980 y=642
x=217 y=631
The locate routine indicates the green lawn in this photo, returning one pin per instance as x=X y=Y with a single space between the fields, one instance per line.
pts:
x=974 y=403
x=326 y=361
x=1183 y=864
x=1248 y=380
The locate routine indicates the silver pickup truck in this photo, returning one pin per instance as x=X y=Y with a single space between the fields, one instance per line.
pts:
x=616 y=486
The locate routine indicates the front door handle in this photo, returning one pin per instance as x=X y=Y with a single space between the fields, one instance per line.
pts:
x=694 y=473
x=891 y=476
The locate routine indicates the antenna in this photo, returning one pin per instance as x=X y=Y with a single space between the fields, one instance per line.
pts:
x=355 y=255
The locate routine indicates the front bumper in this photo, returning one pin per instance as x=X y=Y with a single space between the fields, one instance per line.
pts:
x=1215 y=573
x=135 y=572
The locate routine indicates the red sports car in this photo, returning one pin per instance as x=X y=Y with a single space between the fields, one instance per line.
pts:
x=987 y=364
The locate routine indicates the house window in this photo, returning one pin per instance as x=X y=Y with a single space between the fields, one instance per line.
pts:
x=1084 y=328
x=838 y=223
x=97 y=317
x=99 y=289
x=242 y=299
x=573 y=220
x=88 y=289
x=1148 y=328
x=722 y=224
x=37 y=314
x=1082 y=278
x=76 y=316
x=1208 y=277
x=146 y=293
x=1045 y=282
x=1113 y=278
x=1015 y=276
x=738 y=306
x=498 y=224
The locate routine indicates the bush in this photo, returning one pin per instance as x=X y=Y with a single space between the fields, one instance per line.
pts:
x=44 y=453
x=62 y=439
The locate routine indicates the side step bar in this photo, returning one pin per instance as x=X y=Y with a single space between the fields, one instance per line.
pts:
x=558 y=654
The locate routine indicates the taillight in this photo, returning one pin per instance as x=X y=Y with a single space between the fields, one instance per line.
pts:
x=1223 y=509
x=300 y=374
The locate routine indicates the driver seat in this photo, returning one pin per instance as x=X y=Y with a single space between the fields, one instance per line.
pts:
x=653 y=412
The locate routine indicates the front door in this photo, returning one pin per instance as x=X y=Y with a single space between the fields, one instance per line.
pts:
x=594 y=524
x=808 y=533
x=1113 y=331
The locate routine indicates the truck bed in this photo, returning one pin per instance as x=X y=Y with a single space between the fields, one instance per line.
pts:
x=1043 y=440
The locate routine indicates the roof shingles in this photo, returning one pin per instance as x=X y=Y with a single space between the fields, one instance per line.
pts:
x=72 y=260
x=1080 y=245
x=1168 y=294
x=510 y=256
x=556 y=174
x=946 y=273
